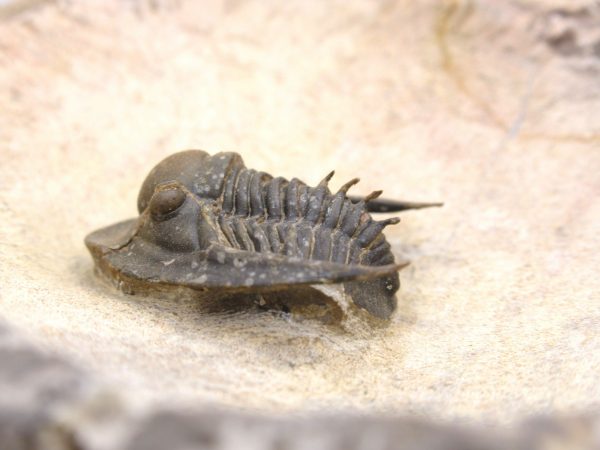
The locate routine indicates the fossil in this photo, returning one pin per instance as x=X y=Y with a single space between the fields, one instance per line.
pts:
x=209 y=224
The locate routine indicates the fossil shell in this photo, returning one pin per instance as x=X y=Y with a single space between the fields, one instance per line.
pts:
x=210 y=224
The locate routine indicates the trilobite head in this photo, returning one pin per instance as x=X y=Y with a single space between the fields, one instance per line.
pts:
x=201 y=173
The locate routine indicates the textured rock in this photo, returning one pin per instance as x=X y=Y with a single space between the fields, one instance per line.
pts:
x=47 y=404
x=489 y=106
x=32 y=386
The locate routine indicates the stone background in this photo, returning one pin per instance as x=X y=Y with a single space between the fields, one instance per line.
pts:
x=489 y=106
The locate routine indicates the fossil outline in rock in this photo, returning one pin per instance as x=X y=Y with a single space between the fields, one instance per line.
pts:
x=210 y=224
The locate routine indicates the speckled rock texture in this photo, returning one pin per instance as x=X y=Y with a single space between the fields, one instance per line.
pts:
x=489 y=106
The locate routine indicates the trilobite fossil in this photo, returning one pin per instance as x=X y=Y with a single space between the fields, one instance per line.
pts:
x=209 y=224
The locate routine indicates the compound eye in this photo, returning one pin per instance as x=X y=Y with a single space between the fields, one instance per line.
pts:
x=165 y=202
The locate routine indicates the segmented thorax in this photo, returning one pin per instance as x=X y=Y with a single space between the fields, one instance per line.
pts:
x=257 y=212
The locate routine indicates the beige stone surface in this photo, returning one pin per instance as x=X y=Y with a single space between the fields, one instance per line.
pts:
x=489 y=106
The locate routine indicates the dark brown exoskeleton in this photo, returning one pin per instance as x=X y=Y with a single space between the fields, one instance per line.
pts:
x=210 y=224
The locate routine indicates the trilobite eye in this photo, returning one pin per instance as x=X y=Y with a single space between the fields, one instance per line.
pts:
x=165 y=202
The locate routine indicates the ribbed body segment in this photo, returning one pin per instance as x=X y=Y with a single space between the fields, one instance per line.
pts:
x=259 y=213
